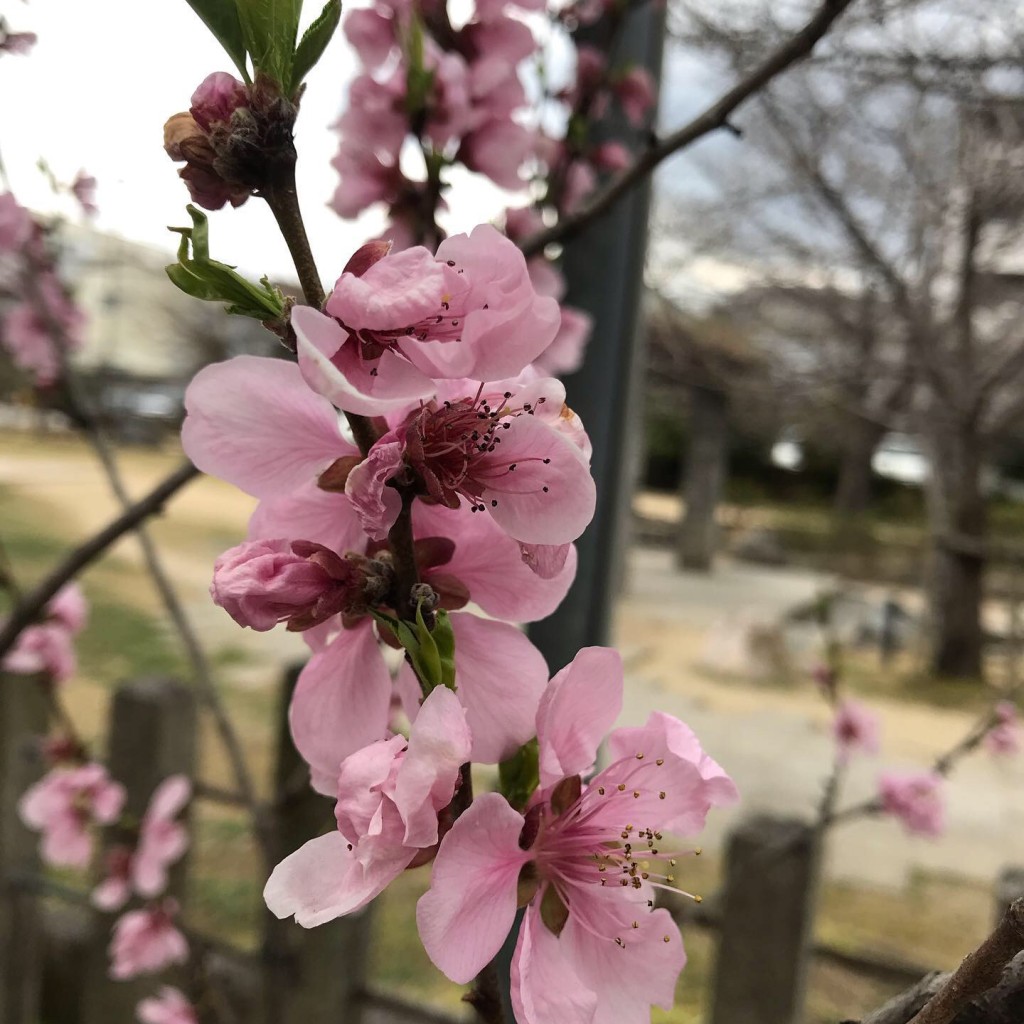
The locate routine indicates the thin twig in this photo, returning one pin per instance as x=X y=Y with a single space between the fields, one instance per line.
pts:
x=31 y=607
x=715 y=117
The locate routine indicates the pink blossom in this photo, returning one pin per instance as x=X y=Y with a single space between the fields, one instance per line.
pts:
x=84 y=190
x=1005 y=736
x=115 y=888
x=916 y=798
x=64 y=804
x=15 y=224
x=636 y=93
x=565 y=354
x=163 y=839
x=69 y=608
x=261 y=583
x=469 y=311
x=501 y=450
x=502 y=38
x=216 y=98
x=389 y=797
x=376 y=118
x=591 y=65
x=611 y=156
x=449 y=113
x=146 y=941
x=855 y=728
x=44 y=648
x=580 y=182
x=372 y=35
x=498 y=149
x=168 y=1006
x=28 y=336
x=591 y=948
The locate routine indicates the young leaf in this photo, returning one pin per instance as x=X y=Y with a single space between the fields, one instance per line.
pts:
x=270 y=28
x=314 y=41
x=520 y=775
x=197 y=275
x=221 y=18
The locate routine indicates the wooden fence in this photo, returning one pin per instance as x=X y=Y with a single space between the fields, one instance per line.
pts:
x=53 y=959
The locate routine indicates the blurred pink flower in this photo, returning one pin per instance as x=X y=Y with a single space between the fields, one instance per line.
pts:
x=636 y=93
x=168 y=1006
x=69 y=607
x=163 y=839
x=372 y=35
x=146 y=941
x=916 y=799
x=611 y=156
x=45 y=648
x=64 y=805
x=1005 y=736
x=855 y=728
x=18 y=42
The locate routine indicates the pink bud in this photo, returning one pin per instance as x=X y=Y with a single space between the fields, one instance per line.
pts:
x=1005 y=736
x=263 y=582
x=366 y=255
x=219 y=95
x=916 y=799
x=855 y=728
x=636 y=91
x=611 y=156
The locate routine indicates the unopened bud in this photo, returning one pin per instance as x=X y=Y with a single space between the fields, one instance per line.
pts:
x=424 y=595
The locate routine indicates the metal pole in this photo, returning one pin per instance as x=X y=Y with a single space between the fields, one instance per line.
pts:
x=604 y=268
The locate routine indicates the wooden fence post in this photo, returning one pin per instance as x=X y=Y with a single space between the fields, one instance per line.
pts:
x=316 y=975
x=152 y=736
x=767 y=922
x=23 y=721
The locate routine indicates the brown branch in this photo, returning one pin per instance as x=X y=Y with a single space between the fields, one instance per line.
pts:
x=31 y=607
x=980 y=970
x=715 y=117
x=283 y=201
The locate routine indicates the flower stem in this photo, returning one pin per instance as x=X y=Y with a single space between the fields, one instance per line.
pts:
x=283 y=200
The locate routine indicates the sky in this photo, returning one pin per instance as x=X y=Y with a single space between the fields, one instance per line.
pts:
x=95 y=92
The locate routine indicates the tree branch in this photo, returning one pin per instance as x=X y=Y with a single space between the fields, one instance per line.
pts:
x=31 y=606
x=715 y=117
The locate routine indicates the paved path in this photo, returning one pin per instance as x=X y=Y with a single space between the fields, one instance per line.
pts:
x=776 y=743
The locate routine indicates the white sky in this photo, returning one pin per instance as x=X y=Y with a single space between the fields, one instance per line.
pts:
x=95 y=91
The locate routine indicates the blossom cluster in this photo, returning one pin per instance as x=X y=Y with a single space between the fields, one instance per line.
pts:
x=479 y=473
x=44 y=315
x=47 y=647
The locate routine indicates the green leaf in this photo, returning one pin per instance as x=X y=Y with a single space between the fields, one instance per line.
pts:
x=444 y=637
x=519 y=776
x=314 y=41
x=270 y=28
x=197 y=275
x=221 y=18
x=428 y=662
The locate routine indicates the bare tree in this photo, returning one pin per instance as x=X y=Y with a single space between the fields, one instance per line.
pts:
x=900 y=193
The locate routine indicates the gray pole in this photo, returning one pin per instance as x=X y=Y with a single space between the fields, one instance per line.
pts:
x=604 y=267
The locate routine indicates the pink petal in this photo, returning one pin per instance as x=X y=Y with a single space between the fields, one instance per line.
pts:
x=169 y=798
x=470 y=907
x=253 y=422
x=439 y=744
x=111 y=894
x=500 y=677
x=332 y=367
x=578 y=708
x=340 y=704
x=545 y=985
x=491 y=565
x=538 y=502
x=309 y=513
x=375 y=503
x=628 y=979
x=323 y=880
x=664 y=734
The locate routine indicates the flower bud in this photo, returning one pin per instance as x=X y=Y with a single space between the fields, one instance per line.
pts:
x=219 y=95
x=261 y=583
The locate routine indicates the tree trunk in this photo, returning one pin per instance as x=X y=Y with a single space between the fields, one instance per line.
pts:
x=705 y=477
x=853 y=490
x=957 y=525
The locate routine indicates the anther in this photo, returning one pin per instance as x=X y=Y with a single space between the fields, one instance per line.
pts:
x=660 y=761
x=636 y=794
x=661 y=795
x=639 y=757
x=547 y=462
x=621 y=787
x=666 y=938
